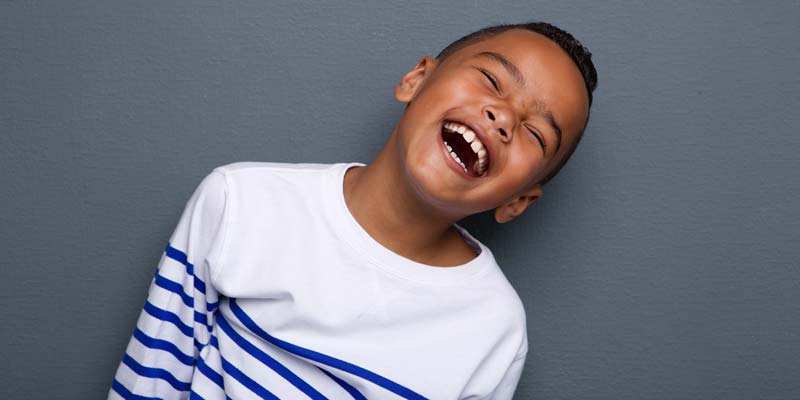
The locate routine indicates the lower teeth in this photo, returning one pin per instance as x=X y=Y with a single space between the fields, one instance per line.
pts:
x=477 y=167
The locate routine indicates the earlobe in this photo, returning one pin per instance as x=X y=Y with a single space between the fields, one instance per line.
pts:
x=405 y=90
x=518 y=205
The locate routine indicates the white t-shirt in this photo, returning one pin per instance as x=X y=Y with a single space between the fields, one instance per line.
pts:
x=269 y=288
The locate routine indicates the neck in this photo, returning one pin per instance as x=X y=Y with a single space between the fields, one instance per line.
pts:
x=393 y=213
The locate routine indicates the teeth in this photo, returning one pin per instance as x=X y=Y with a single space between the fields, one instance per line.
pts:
x=469 y=136
x=458 y=160
x=478 y=167
x=477 y=146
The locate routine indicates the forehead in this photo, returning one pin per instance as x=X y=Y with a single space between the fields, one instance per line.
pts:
x=552 y=80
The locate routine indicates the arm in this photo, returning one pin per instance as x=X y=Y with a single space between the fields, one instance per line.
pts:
x=176 y=319
x=508 y=385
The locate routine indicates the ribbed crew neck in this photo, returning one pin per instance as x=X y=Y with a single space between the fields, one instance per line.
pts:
x=351 y=231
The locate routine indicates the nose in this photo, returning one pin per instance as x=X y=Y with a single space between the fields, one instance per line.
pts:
x=501 y=121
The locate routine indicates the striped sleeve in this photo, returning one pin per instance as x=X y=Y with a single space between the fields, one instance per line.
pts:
x=175 y=322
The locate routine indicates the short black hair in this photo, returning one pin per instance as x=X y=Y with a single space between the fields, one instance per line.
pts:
x=579 y=54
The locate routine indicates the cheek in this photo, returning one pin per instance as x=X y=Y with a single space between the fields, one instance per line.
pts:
x=525 y=162
x=466 y=91
x=455 y=91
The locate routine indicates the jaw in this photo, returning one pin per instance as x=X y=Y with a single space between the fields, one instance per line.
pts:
x=427 y=167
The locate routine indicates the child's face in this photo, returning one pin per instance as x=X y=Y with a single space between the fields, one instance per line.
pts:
x=458 y=90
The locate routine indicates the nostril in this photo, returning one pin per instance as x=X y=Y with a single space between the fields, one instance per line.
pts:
x=491 y=116
x=502 y=132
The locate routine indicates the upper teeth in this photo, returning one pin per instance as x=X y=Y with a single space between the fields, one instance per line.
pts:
x=475 y=144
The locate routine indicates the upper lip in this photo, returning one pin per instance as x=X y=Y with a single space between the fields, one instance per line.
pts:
x=479 y=132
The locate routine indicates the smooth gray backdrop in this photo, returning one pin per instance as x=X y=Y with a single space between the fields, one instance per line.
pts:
x=662 y=263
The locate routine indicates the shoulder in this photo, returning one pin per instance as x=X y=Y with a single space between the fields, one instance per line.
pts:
x=254 y=182
x=226 y=186
x=255 y=179
x=261 y=200
x=512 y=320
x=516 y=316
x=500 y=292
x=256 y=168
x=210 y=197
x=511 y=313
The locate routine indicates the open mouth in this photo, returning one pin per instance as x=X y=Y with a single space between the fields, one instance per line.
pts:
x=465 y=148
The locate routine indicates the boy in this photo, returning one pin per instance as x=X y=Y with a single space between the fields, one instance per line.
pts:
x=353 y=281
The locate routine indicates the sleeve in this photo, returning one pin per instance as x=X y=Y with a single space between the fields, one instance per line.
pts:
x=508 y=385
x=176 y=320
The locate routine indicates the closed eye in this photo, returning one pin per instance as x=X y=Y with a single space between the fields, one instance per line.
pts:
x=541 y=142
x=491 y=79
x=497 y=87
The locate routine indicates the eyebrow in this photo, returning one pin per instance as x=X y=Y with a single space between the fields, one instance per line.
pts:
x=517 y=75
x=508 y=65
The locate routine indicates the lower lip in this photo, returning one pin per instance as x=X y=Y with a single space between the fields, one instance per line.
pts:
x=451 y=161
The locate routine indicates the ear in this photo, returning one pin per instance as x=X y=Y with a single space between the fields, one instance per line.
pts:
x=516 y=206
x=405 y=90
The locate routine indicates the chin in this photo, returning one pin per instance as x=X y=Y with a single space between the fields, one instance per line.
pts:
x=433 y=184
x=426 y=171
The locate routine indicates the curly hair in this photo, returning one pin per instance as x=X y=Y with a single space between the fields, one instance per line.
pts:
x=579 y=54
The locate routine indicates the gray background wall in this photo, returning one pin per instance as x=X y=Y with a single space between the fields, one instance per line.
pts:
x=660 y=264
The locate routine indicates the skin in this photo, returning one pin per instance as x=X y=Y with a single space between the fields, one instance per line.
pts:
x=409 y=197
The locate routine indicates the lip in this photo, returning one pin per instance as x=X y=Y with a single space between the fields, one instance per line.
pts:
x=481 y=136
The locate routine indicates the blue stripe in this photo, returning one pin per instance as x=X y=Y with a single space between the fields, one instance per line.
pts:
x=209 y=372
x=265 y=358
x=346 y=386
x=324 y=359
x=214 y=342
x=169 y=317
x=176 y=288
x=246 y=381
x=181 y=257
x=199 y=285
x=203 y=319
x=155 y=373
x=127 y=394
x=161 y=344
x=195 y=396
